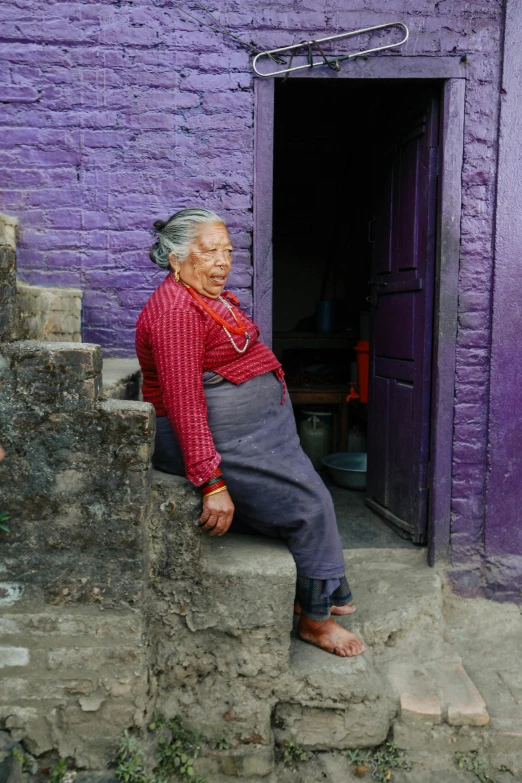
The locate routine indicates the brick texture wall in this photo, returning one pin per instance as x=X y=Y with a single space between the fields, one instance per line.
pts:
x=116 y=113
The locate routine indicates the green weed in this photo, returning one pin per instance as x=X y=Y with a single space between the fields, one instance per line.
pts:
x=4 y=518
x=220 y=743
x=61 y=773
x=293 y=752
x=379 y=761
x=19 y=756
x=474 y=762
x=176 y=752
x=129 y=761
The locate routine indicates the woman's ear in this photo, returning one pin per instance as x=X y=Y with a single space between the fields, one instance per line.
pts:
x=174 y=265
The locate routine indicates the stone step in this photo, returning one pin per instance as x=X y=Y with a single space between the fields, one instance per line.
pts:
x=462 y=703
x=245 y=603
x=488 y=637
x=84 y=626
x=251 y=582
x=437 y=691
x=121 y=379
x=327 y=702
x=228 y=646
x=247 y=592
x=398 y=597
x=50 y=314
x=8 y=229
x=416 y=694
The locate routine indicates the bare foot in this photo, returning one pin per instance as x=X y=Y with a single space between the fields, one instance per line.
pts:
x=330 y=636
x=340 y=610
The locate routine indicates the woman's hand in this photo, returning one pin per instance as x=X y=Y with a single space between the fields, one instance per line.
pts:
x=218 y=511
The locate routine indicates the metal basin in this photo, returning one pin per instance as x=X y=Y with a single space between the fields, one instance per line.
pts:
x=348 y=468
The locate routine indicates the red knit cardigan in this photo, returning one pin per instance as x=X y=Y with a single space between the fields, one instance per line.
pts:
x=176 y=342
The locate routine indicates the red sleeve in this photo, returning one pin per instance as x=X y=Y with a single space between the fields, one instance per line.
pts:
x=178 y=347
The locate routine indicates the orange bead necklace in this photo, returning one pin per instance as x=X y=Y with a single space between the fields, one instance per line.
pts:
x=234 y=328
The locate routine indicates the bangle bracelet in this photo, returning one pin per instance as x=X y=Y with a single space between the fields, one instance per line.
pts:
x=216 y=475
x=214 y=492
x=213 y=485
x=211 y=482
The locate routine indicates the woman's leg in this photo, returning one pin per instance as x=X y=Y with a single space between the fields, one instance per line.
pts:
x=315 y=624
x=167 y=455
x=340 y=600
x=277 y=492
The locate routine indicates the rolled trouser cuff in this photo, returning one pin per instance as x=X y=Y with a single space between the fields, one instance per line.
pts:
x=313 y=601
x=342 y=595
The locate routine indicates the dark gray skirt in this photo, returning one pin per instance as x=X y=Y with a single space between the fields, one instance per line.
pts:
x=275 y=489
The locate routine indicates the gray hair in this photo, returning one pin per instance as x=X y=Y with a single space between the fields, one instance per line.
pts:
x=176 y=234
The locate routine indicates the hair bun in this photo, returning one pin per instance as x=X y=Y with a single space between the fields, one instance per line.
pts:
x=159 y=225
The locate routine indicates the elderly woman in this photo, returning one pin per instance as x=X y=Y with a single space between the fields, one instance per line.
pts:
x=225 y=421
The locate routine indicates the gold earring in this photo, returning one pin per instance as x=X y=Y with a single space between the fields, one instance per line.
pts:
x=176 y=274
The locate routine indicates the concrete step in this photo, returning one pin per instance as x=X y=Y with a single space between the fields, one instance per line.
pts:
x=86 y=625
x=245 y=603
x=475 y=683
x=461 y=702
x=8 y=229
x=488 y=637
x=229 y=646
x=252 y=584
x=398 y=597
x=241 y=615
x=437 y=691
x=121 y=379
x=417 y=696
x=246 y=599
x=330 y=702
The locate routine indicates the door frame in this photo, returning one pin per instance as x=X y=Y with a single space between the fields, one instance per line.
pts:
x=451 y=72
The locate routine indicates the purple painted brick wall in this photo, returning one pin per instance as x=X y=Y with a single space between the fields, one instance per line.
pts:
x=117 y=113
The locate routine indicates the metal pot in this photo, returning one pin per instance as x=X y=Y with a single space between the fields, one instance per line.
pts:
x=348 y=468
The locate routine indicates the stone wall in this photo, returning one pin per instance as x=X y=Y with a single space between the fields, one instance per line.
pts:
x=50 y=314
x=75 y=482
x=8 y=230
x=9 y=325
x=34 y=312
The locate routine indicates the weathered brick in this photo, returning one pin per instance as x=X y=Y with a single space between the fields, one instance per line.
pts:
x=10 y=593
x=121 y=659
x=13 y=656
x=50 y=625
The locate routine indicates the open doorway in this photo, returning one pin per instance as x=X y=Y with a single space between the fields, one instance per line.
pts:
x=355 y=173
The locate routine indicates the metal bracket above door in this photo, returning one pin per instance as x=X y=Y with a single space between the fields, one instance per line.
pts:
x=333 y=62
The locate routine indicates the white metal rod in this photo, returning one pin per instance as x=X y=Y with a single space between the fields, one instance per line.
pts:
x=333 y=60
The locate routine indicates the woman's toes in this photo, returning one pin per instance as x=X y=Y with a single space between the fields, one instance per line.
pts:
x=331 y=637
x=343 y=610
x=336 y=610
x=354 y=647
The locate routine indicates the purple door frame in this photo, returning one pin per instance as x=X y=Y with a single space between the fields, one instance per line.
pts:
x=452 y=73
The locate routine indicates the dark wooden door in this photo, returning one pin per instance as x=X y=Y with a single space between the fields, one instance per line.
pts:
x=402 y=303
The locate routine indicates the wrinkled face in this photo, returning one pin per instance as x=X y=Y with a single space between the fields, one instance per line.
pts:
x=209 y=262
